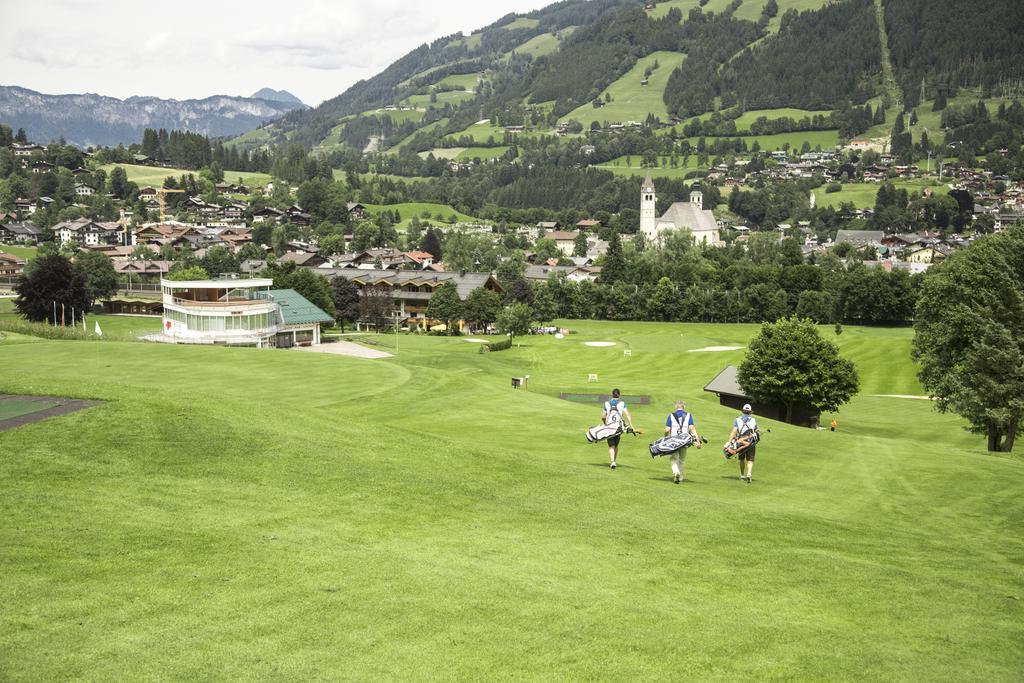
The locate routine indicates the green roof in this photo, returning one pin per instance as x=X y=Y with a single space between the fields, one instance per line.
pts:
x=297 y=309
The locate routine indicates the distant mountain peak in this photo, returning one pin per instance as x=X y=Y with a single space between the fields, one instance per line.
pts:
x=89 y=120
x=277 y=96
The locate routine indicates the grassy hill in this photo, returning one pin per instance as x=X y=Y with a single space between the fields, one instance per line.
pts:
x=632 y=101
x=357 y=528
x=154 y=176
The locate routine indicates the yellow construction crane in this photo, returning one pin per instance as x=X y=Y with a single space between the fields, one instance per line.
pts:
x=162 y=192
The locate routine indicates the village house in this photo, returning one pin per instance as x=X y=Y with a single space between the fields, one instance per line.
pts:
x=11 y=266
x=267 y=214
x=25 y=150
x=83 y=190
x=24 y=207
x=860 y=238
x=19 y=232
x=86 y=232
x=411 y=290
x=356 y=211
x=565 y=240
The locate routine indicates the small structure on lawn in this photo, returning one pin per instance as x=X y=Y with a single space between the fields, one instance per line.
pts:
x=726 y=385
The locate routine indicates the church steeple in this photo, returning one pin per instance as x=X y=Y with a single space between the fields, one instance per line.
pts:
x=648 y=204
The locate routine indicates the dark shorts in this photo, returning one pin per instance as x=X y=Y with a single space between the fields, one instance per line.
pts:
x=614 y=440
x=749 y=453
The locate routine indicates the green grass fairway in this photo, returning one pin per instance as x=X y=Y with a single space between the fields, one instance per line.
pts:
x=630 y=100
x=245 y=513
x=13 y=407
x=154 y=176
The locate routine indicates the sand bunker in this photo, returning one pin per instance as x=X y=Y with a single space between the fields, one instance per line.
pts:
x=716 y=348
x=476 y=341
x=599 y=343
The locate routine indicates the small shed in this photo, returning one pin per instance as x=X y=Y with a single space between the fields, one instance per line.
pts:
x=726 y=385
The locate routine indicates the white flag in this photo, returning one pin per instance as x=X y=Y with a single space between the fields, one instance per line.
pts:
x=99 y=332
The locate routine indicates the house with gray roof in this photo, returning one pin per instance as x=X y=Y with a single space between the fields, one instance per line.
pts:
x=411 y=290
x=19 y=232
x=860 y=238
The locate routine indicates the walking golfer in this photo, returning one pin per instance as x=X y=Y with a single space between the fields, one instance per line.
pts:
x=744 y=424
x=680 y=422
x=614 y=411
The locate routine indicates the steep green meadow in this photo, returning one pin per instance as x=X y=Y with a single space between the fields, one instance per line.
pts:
x=632 y=101
x=241 y=513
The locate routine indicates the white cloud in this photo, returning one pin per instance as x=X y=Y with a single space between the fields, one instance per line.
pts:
x=313 y=48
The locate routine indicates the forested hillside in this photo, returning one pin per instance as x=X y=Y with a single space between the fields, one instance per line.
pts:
x=942 y=45
x=727 y=58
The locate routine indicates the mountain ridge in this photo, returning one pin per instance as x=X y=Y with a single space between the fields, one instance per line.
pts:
x=90 y=119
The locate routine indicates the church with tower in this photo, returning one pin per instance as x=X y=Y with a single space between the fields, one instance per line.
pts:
x=690 y=215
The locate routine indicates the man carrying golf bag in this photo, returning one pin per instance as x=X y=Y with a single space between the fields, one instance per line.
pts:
x=743 y=442
x=679 y=432
x=616 y=413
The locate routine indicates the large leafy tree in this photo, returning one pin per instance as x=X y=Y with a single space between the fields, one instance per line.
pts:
x=376 y=306
x=445 y=305
x=482 y=306
x=219 y=260
x=313 y=286
x=346 y=300
x=515 y=320
x=99 y=273
x=969 y=336
x=51 y=281
x=789 y=364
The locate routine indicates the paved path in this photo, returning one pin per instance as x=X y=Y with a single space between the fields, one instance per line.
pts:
x=345 y=348
x=67 y=405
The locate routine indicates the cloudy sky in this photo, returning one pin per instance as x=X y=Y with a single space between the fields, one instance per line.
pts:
x=314 y=49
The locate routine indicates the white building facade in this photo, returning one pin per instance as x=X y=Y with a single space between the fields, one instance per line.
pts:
x=243 y=312
x=690 y=215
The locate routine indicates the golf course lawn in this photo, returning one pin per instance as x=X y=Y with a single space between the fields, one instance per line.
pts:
x=242 y=513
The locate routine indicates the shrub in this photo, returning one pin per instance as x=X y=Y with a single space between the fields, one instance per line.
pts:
x=503 y=345
x=834 y=187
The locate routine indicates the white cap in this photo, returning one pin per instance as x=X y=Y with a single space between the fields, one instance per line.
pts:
x=747 y=408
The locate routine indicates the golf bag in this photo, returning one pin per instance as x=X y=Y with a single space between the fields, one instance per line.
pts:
x=667 y=445
x=741 y=443
x=604 y=431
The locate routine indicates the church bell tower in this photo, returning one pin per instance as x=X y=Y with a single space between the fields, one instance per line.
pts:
x=648 y=203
